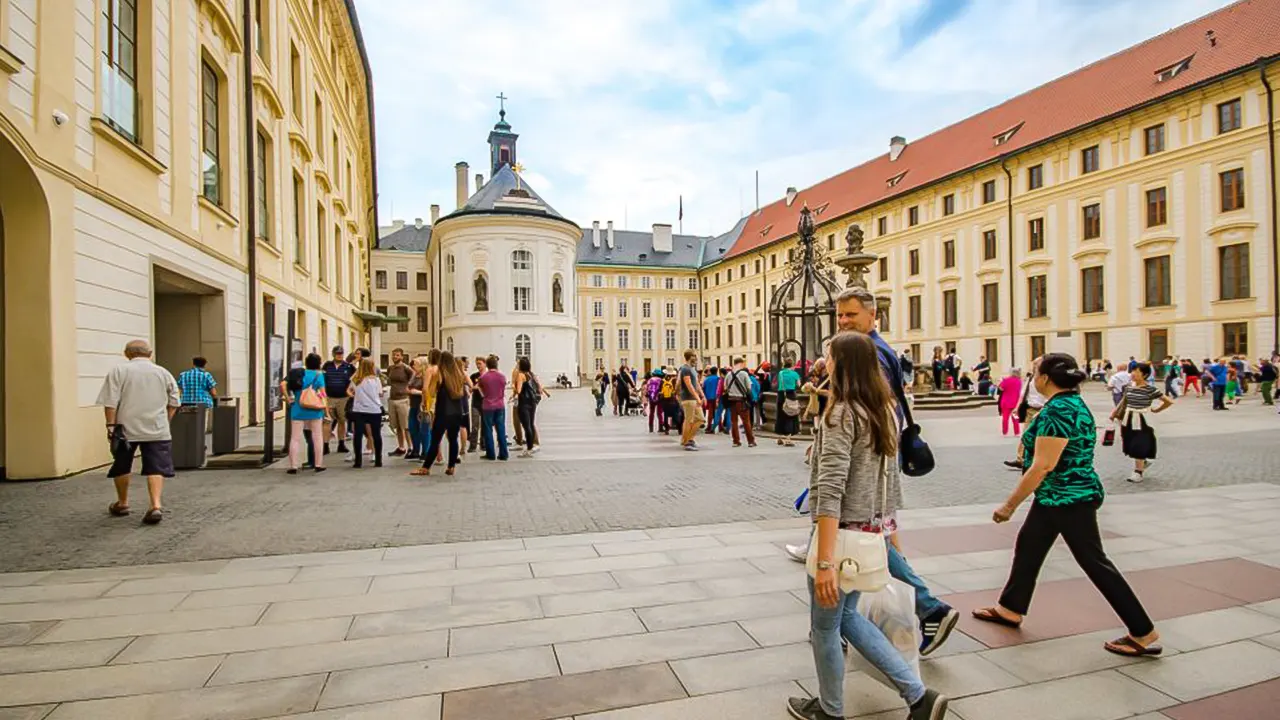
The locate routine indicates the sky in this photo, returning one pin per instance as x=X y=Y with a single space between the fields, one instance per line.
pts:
x=625 y=106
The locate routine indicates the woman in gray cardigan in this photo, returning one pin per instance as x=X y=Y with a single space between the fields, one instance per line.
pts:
x=855 y=447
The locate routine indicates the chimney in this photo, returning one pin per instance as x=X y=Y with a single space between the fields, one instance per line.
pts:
x=397 y=224
x=479 y=181
x=595 y=233
x=417 y=223
x=661 y=237
x=791 y=196
x=461 y=170
x=435 y=214
x=609 y=234
x=897 y=144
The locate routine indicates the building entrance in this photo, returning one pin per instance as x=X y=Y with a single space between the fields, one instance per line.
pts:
x=190 y=321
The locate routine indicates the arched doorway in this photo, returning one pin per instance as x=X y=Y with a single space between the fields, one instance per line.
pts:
x=26 y=360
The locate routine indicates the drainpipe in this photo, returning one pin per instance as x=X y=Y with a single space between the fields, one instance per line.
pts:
x=1275 y=232
x=250 y=219
x=1013 y=343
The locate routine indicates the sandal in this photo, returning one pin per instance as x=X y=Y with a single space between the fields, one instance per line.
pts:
x=991 y=615
x=153 y=516
x=420 y=472
x=118 y=510
x=449 y=471
x=1129 y=647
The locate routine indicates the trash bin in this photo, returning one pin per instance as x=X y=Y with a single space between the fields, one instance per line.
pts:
x=187 y=428
x=226 y=426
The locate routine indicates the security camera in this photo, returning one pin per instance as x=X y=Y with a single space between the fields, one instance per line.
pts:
x=60 y=118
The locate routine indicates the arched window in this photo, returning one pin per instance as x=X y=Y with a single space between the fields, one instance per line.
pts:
x=524 y=346
x=557 y=295
x=450 y=292
x=481 y=288
x=448 y=344
x=521 y=280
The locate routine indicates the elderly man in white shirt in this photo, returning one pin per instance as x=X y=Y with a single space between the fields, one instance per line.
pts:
x=1117 y=383
x=138 y=399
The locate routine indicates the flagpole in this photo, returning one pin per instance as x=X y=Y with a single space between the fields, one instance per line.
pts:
x=681 y=214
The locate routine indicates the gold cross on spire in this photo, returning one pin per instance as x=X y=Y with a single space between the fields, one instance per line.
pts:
x=517 y=169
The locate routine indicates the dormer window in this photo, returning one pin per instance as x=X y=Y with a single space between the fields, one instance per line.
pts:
x=1007 y=135
x=765 y=231
x=893 y=181
x=1168 y=73
x=821 y=208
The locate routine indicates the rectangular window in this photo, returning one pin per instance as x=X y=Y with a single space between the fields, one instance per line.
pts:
x=882 y=226
x=597 y=308
x=949 y=204
x=1089 y=160
x=729 y=335
x=1035 y=177
x=337 y=259
x=913 y=216
x=991 y=302
x=1235 y=338
x=992 y=348
x=622 y=282
x=120 y=66
x=1092 y=221
x=988 y=192
x=421 y=281
x=403 y=311
x=1093 y=346
x=758 y=296
x=671 y=311
x=913 y=312
x=597 y=338
x=622 y=308
x=831 y=245
x=1035 y=234
x=423 y=319
x=693 y=281
x=693 y=310
x=597 y=281
x=693 y=339
x=260 y=185
x=1157 y=212
x=669 y=338
x=646 y=282
x=1037 y=346
x=728 y=275
x=1153 y=139
x=521 y=298
x=913 y=261
x=730 y=300
x=295 y=81
x=949 y=310
x=299 y=226
x=624 y=339
x=1159 y=284
x=323 y=265
x=1231 y=183
x=949 y=253
x=717 y=337
x=210 y=144
x=402 y=280
x=1233 y=271
x=646 y=339
x=1091 y=287
x=669 y=283
x=883 y=265
x=1229 y=116
x=1038 y=296
x=380 y=279
x=646 y=310
x=318 y=119
x=988 y=244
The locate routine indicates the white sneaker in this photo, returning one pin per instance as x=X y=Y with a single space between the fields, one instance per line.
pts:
x=536 y=449
x=350 y=458
x=799 y=553
x=525 y=454
x=1135 y=477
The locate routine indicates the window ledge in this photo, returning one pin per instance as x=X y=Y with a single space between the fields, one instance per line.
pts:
x=1157 y=308
x=217 y=210
x=323 y=286
x=103 y=129
x=299 y=267
x=1093 y=313
x=1242 y=300
x=1036 y=262
x=10 y=63
x=1233 y=223
x=1095 y=248
x=270 y=247
x=1157 y=237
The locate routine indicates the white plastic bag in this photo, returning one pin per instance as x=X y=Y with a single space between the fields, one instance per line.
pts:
x=893 y=610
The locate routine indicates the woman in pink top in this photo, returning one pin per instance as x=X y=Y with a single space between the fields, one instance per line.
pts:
x=1010 y=396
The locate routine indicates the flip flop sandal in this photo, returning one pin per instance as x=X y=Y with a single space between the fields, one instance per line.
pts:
x=991 y=616
x=1129 y=647
x=118 y=510
x=153 y=517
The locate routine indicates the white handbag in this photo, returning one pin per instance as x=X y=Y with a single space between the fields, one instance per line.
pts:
x=861 y=558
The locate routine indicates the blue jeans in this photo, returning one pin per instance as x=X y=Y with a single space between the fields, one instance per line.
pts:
x=494 y=421
x=828 y=626
x=415 y=432
x=926 y=603
x=721 y=418
x=1219 y=396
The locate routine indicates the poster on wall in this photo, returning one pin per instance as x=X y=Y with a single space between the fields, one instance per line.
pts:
x=275 y=365
x=295 y=352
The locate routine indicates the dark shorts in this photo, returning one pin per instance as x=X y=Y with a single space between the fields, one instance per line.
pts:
x=157 y=458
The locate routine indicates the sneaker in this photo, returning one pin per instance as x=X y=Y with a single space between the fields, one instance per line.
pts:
x=799 y=553
x=1135 y=477
x=536 y=449
x=1013 y=464
x=349 y=458
x=342 y=447
x=751 y=445
x=412 y=455
x=525 y=454
x=809 y=709
x=692 y=447
x=936 y=628
x=933 y=706
x=395 y=453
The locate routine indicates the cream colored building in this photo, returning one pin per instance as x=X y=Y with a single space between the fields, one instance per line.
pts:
x=400 y=286
x=126 y=208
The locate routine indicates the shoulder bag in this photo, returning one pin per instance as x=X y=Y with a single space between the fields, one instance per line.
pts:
x=812 y=409
x=861 y=558
x=791 y=407
x=914 y=456
x=310 y=399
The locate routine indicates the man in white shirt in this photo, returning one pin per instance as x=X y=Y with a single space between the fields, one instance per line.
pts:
x=1120 y=380
x=138 y=399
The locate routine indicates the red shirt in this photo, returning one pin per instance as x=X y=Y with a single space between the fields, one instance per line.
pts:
x=493 y=386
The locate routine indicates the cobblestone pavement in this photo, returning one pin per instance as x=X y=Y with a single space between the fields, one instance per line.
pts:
x=705 y=621
x=594 y=474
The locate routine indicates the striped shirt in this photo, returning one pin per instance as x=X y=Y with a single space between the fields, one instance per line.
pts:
x=1141 y=398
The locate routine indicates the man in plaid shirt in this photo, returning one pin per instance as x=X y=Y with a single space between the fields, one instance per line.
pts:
x=197 y=384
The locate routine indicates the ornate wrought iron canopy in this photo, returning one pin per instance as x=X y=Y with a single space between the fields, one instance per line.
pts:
x=802 y=311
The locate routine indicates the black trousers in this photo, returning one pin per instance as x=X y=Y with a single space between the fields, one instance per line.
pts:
x=525 y=413
x=362 y=420
x=443 y=426
x=1078 y=526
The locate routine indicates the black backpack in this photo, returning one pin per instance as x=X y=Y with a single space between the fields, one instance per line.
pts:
x=531 y=390
x=293 y=381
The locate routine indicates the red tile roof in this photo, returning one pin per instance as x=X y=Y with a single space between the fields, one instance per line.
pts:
x=1244 y=32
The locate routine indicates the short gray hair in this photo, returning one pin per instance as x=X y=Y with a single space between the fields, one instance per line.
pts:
x=862 y=295
x=137 y=348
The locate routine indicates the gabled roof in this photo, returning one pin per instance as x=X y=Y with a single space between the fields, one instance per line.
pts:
x=1241 y=34
x=719 y=247
x=629 y=245
x=409 y=238
x=497 y=198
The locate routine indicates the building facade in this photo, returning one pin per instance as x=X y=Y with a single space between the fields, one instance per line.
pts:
x=401 y=289
x=126 y=206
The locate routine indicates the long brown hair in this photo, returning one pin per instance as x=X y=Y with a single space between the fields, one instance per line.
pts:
x=450 y=376
x=858 y=383
x=366 y=370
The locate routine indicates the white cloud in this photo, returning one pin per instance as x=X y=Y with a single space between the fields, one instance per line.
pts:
x=623 y=107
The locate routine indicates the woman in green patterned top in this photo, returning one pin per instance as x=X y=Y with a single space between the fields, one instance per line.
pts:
x=1058 y=469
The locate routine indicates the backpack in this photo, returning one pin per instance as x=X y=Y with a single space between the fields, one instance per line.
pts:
x=531 y=390
x=668 y=388
x=293 y=381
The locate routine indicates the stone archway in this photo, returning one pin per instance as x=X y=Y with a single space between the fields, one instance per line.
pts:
x=26 y=320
